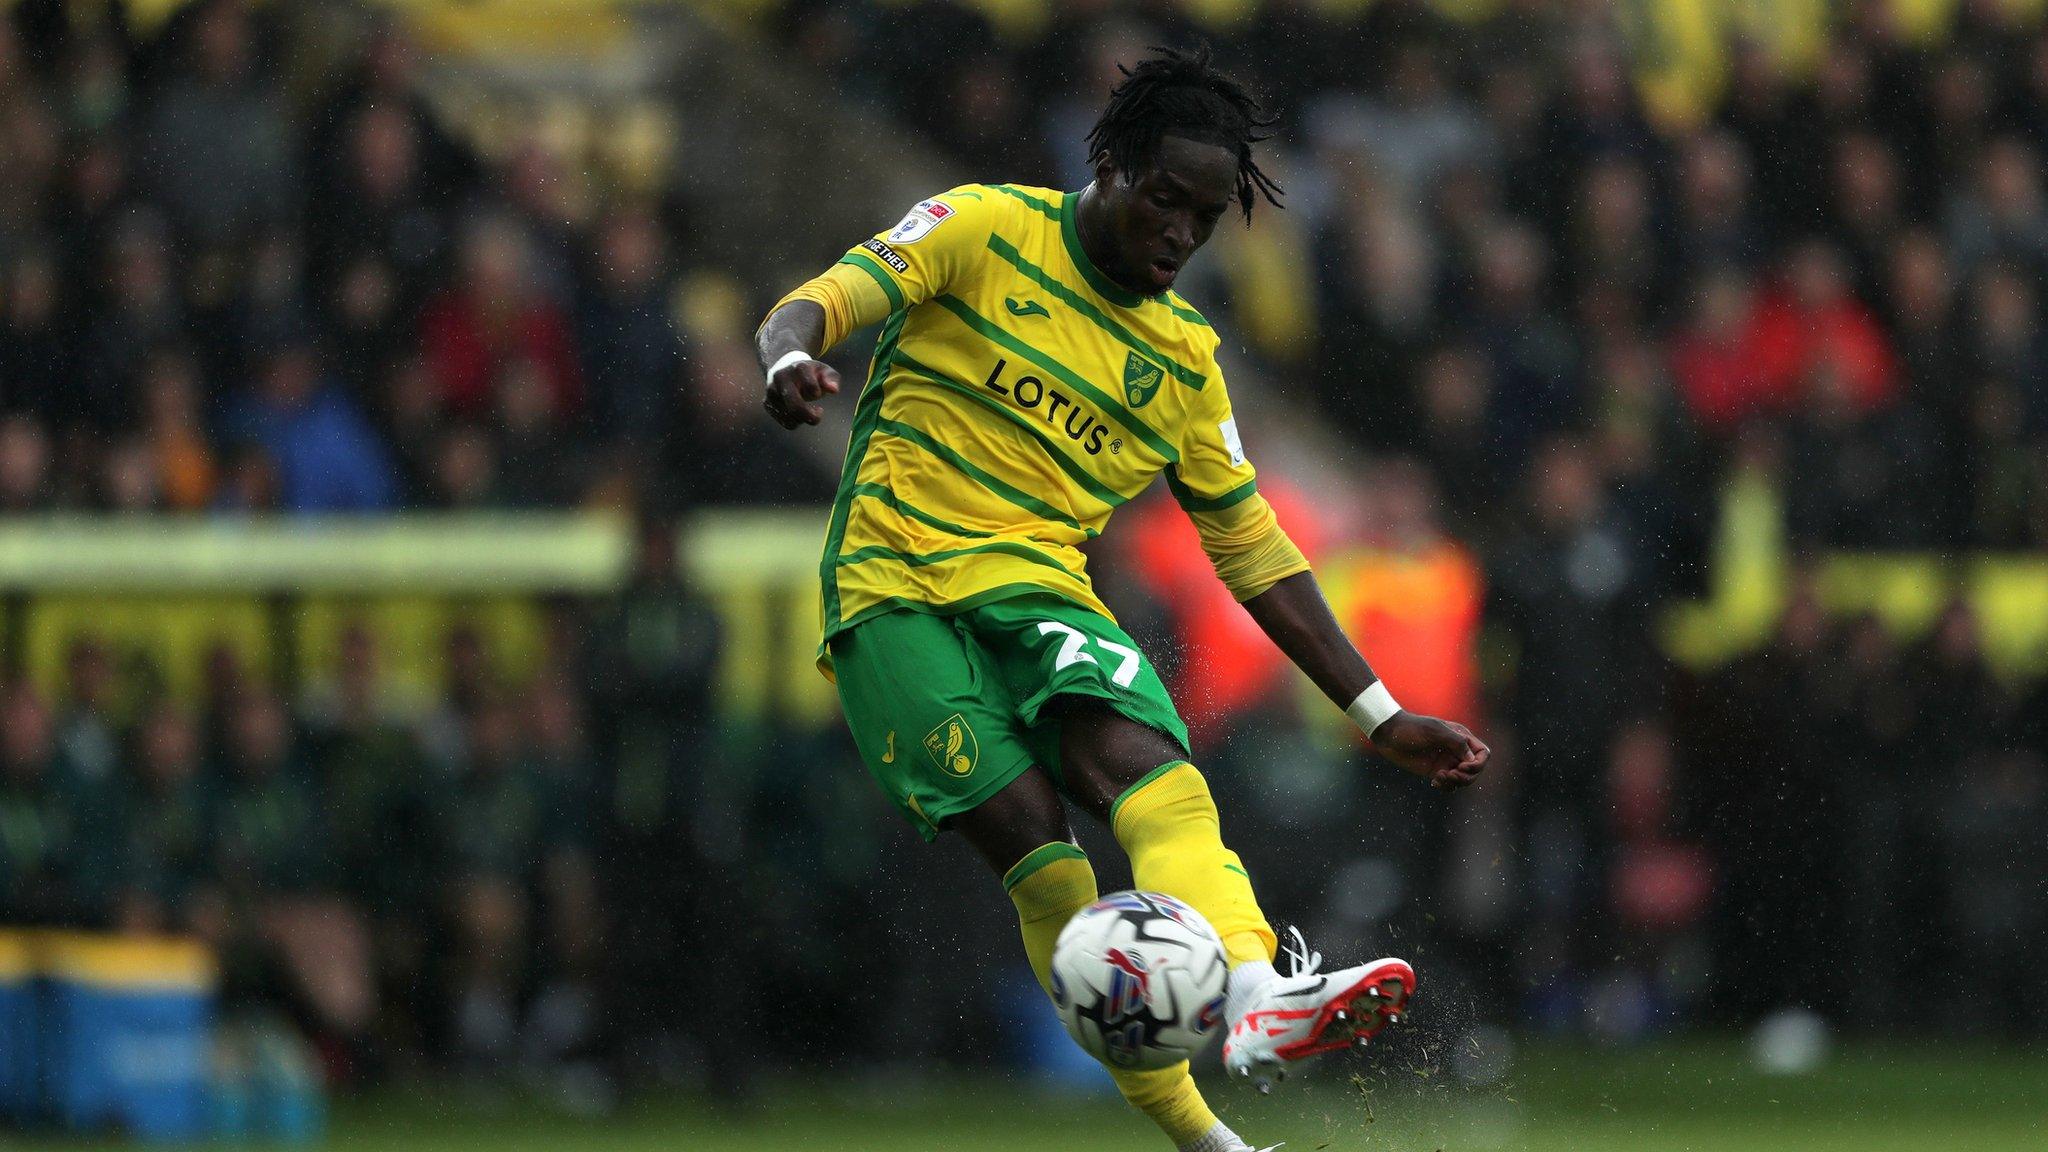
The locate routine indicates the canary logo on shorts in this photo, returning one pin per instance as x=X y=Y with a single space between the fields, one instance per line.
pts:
x=953 y=747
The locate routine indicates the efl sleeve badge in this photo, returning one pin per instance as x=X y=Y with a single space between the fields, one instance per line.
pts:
x=919 y=222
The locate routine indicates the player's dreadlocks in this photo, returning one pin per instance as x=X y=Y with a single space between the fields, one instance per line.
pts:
x=1180 y=94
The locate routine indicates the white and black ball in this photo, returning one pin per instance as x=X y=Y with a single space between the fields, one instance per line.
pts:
x=1139 y=979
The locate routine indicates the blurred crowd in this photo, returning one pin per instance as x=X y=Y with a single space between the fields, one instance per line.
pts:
x=404 y=882
x=330 y=853
x=227 y=287
x=1553 y=324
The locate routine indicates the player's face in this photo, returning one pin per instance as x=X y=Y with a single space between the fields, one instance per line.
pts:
x=1159 y=218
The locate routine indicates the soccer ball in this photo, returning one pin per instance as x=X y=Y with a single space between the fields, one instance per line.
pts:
x=1138 y=979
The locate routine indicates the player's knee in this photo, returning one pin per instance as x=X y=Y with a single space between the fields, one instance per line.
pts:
x=1104 y=754
x=1052 y=882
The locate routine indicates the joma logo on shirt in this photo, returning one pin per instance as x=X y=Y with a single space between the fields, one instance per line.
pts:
x=1034 y=395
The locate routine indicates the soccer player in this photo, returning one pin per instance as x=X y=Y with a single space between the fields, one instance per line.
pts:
x=1036 y=370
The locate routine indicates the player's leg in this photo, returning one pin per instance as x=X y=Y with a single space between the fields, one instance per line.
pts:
x=1135 y=778
x=937 y=728
x=1099 y=717
x=1138 y=781
x=1022 y=833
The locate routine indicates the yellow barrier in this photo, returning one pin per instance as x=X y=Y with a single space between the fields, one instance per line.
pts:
x=761 y=570
x=171 y=591
x=126 y=962
x=134 y=962
x=405 y=553
x=17 y=959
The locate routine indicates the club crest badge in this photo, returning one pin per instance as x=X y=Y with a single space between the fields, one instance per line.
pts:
x=952 y=746
x=1141 y=380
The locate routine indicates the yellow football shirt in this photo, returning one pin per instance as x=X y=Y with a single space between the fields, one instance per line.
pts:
x=1017 y=398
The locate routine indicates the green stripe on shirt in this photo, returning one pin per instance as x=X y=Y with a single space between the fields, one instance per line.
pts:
x=867 y=264
x=926 y=559
x=1071 y=299
x=996 y=485
x=1190 y=502
x=1185 y=311
x=1045 y=209
x=867 y=418
x=883 y=494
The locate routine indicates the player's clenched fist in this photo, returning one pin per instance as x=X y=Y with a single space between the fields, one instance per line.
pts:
x=1443 y=752
x=793 y=388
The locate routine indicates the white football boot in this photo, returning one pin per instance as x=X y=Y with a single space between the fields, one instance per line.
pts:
x=1289 y=1018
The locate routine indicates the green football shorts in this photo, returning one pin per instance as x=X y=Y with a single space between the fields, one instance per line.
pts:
x=946 y=709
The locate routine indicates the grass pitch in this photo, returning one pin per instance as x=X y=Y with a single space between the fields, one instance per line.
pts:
x=1695 y=1098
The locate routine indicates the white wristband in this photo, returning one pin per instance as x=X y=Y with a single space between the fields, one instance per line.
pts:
x=788 y=358
x=1374 y=707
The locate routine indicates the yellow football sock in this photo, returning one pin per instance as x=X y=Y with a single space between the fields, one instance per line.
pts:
x=1167 y=822
x=1048 y=886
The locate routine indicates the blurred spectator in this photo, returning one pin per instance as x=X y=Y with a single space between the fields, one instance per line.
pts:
x=275 y=909
x=272 y=836
x=493 y=316
x=383 y=74
x=56 y=858
x=632 y=351
x=326 y=456
x=1989 y=826
x=2006 y=341
x=35 y=351
x=1415 y=131
x=1570 y=588
x=564 y=1018
x=519 y=880
x=1869 y=205
x=1612 y=246
x=1773 y=816
x=1530 y=352
x=87 y=730
x=139 y=311
x=128 y=479
x=538 y=464
x=215 y=147
x=175 y=431
x=384 y=221
x=169 y=830
x=25 y=484
x=1455 y=389
x=374 y=788
x=1716 y=224
x=1810 y=325
x=466 y=470
x=1716 y=357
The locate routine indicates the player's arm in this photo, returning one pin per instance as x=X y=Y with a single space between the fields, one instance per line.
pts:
x=897 y=269
x=796 y=379
x=1267 y=573
x=1293 y=612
